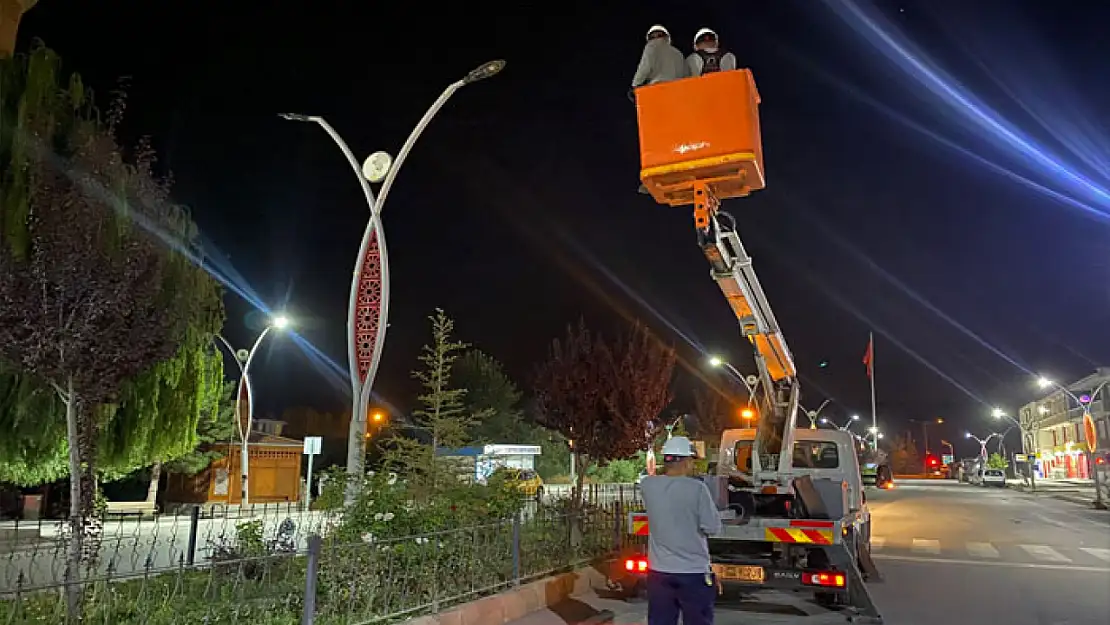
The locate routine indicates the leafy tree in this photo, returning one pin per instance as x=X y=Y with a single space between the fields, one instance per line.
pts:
x=216 y=425
x=996 y=461
x=32 y=450
x=490 y=392
x=714 y=412
x=442 y=417
x=904 y=457
x=604 y=396
x=96 y=283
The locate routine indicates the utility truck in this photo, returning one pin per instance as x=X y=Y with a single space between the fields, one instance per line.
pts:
x=791 y=501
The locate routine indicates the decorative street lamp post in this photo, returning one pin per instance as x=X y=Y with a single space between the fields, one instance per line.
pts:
x=368 y=308
x=243 y=358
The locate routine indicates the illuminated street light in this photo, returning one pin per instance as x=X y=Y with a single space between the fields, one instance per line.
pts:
x=374 y=285
x=377 y=417
x=1044 y=382
x=715 y=361
x=243 y=359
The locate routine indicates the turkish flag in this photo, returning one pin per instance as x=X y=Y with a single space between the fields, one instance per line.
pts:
x=869 y=356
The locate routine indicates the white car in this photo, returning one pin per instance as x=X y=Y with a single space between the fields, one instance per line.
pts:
x=994 y=477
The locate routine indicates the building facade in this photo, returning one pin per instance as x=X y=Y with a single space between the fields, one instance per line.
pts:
x=1055 y=429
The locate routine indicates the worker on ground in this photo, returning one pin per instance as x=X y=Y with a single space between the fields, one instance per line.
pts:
x=660 y=61
x=681 y=514
x=708 y=56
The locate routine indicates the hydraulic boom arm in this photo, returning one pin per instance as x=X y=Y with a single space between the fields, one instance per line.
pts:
x=731 y=268
x=700 y=144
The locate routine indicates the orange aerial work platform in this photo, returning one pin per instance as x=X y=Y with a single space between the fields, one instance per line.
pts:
x=700 y=132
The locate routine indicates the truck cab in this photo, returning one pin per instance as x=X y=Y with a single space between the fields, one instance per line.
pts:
x=820 y=454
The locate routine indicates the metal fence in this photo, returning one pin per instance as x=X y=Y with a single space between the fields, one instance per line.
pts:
x=303 y=577
x=33 y=554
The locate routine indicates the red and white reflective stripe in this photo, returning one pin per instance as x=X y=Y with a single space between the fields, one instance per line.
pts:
x=813 y=524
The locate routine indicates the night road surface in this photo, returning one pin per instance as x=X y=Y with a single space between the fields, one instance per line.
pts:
x=952 y=554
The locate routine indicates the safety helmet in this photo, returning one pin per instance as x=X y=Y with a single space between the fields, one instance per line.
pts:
x=703 y=32
x=679 y=447
x=658 y=28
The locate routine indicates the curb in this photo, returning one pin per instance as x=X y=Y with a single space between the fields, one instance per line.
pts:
x=602 y=617
x=516 y=603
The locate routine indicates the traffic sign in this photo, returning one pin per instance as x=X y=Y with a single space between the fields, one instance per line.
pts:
x=312 y=445
x=1021 y=458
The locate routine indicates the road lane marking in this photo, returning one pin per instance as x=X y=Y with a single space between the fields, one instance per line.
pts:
x=1044 y=552
x=1101 y=554
x=982 y=550
x=921 y=545
x=1012 y=565
x=877 y=542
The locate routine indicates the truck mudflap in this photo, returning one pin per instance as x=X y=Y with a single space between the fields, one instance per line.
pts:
x=841 y=577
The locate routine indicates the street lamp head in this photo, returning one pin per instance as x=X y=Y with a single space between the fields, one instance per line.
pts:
x=484 y=71
x=824 y=420
x=879 y=435
x=967 y=434
x=873 y=430
x=1044 y=382
x=295 y=117
x=280 y=322
x=715 y=361
x=997 y=413
x=855 y=417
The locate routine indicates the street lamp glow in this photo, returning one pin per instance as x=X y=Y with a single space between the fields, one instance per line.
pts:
x=280 y=322
x=714 y=361
x=879 y=435
x=873 y=430
x=997 y=413
x=855 y=417
x=1044 y=382
x=967 y=434
x=824 y=420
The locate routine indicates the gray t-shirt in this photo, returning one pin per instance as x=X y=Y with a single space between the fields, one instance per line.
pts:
x=680 y=515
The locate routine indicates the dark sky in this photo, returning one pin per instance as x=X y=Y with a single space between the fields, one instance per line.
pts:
x=517 y=212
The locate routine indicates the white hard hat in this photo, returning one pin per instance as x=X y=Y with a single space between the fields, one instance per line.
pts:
x=679 y=446
x=704 y=31
x=658 y=27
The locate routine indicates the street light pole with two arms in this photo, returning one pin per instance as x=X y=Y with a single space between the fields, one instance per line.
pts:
x=368 y=308
x=243 y=358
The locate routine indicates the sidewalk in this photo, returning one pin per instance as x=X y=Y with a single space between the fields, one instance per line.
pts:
x=1081 y=492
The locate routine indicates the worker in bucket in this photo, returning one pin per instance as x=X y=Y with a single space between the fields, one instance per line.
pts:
x=681 y=514
x=708 y=56
x=660 y=61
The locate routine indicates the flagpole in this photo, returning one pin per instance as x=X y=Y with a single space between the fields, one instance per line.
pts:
x=874 y=416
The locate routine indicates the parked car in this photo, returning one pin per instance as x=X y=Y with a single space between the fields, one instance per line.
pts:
x=994 y=477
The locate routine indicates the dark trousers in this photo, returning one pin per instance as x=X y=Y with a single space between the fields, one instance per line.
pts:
x=671 y=594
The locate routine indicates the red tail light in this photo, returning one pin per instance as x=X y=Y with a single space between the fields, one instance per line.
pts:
x=636 y=565
x=831 y=579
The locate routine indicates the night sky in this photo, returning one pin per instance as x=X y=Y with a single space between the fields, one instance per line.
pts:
x=888 y=208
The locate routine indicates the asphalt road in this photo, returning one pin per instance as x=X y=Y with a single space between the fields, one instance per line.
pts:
x=952 y=554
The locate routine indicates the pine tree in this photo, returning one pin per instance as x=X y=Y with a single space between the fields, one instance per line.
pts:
x=442 y=421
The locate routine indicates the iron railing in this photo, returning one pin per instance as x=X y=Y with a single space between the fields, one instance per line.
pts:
x=269 y=569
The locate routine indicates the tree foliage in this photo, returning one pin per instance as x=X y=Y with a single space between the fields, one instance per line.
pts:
x=216 y=425
x=441 y=421
x=904 y=457
x=98 y=284
x=490 y=392
x=604 y=396
x=714 y=412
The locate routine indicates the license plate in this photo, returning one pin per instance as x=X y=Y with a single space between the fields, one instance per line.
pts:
x=739 y=573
